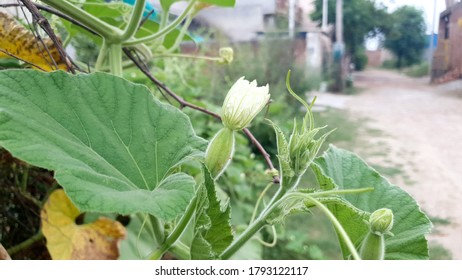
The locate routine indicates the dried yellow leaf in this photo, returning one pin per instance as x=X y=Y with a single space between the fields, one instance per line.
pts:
x=67 y=240
x=17 y=41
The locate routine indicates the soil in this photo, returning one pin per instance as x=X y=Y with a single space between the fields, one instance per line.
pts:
x=412 y=133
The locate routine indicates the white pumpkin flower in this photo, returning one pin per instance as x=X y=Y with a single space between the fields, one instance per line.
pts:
x=243 y=102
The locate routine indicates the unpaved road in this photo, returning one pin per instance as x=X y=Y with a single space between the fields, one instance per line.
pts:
x=418 y=132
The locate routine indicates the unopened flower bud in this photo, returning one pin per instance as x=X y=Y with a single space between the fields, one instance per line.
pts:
x=243 y=102
x=220 y=152
x=226 y=55
x=373 y=245
x=381 y=221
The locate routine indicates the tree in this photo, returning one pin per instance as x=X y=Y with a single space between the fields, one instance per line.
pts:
x=361 y=19
x=405 y=35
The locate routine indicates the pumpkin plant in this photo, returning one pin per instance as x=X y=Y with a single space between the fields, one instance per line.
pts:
x=116 y=148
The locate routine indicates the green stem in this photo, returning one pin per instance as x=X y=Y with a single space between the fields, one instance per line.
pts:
x=28 y=196
x=177 y=231
x=115 y=59
x=254 y=226
x=67 y=41
x=254 y=214
x=277 y=199
x=164 y=19
x=25 y=244
x=163 y=23
x=182 y=55
x=125 y=64
x=275 y=239
x=335 y=192
x=250 y=231
x=341 y=231
x=134 y=22
x=107 y=31
x=157 y=228
x=183 y=30
x=101 y=56
x=182 y=251
x=163 y=31
x=24 y=179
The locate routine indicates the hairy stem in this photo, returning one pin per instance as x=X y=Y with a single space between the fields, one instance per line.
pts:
x=260 y=198
x=177 y=231
x=336 y=192
x=101 y=56
x=134 y=21
x=157 y=229
x=183 y=30
x=341 y=231
x=115 y=59
x=250 y=231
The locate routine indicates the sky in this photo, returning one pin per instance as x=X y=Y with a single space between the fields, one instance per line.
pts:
x=425 y=5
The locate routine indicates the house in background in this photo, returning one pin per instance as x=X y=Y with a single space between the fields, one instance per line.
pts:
x=447 y=59
x=250 y=21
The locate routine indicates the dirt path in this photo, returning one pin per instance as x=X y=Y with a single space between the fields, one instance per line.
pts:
x=415 y=133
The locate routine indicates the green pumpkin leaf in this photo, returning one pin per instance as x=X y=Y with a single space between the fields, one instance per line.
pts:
x=111 y=144
x=213 y=229
x=341 y=169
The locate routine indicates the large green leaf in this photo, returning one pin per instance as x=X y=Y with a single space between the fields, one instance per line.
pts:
x=341 y=169
x=111 y=144
x=213 y=230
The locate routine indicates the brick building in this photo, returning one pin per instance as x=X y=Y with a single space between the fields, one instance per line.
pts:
x=447 y=59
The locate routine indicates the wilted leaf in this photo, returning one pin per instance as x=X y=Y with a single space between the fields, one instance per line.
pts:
x=22 y=43
x=67 y=240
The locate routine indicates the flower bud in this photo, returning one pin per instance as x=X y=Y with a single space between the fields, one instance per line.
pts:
x=220 y=152
x=226 y=55
x=373 y=245
x=242 y=103
x=381 y=221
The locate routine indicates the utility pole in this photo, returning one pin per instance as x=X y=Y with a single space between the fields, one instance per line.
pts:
x=339 y=22
x=339 y=48
x=324 y=15
x=432 y=40
x=291 y=18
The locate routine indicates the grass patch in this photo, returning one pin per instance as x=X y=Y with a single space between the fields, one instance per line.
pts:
x=438 y=252
x=346 y=133
x=388 y=171
x=440 y=221
x=417 y=71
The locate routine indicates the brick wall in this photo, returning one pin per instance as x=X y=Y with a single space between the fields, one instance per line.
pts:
x=447 y=59
x=377 y=57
